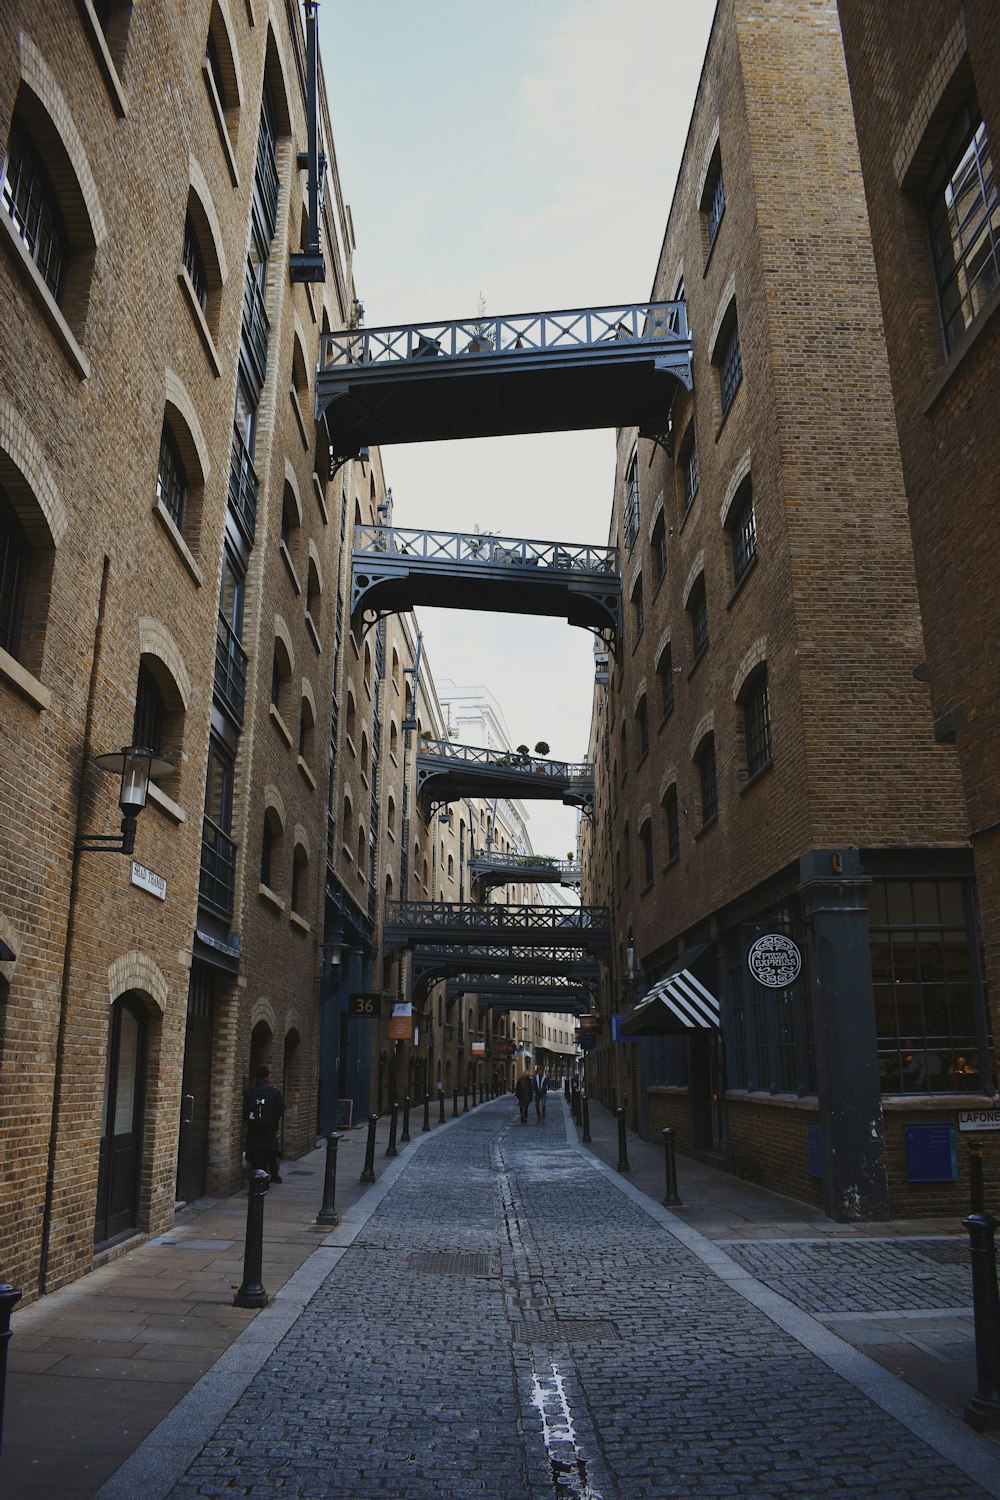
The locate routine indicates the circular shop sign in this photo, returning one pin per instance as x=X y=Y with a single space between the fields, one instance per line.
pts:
x=774 y=960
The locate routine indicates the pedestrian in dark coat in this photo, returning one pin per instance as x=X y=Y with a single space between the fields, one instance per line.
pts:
x=263 y=1108
x=540 y=1093
x=522 y=1089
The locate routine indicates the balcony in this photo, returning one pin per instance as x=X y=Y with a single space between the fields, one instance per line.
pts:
x=230 y=671
x=533 y=869
x=409 y=924
x=446 y=772
x=488 y=377
x=244 y=487
x=394 y=569
x=218 y=869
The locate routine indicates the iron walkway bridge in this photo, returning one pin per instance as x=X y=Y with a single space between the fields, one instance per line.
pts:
x=446 y=772
x=445 y=961
x=394 y=568
x=508 y=987
x=490 y=377
x=409 y=924
x=508 y=869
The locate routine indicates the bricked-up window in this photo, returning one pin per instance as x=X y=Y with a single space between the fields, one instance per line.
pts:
x=150 y=712
x=646 y=852
x=665 y=672
x=638 y=615
x=15 y=557
x=697 y=608
x=927 y=980
x=171 y=480
x=728 y=359
x=963 y=211
x=757 y=724
x=641 y=730
x=743 y=532
x=708 y=781
x=671 y=825
x=32 y=206
x=631 y=522
x=688 y=464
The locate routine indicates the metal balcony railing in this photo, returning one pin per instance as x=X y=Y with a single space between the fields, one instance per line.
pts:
x=504 y=760
x=217 y=883
x=423 y=918
x=481 y=549
x=558 y=871
x=230 y=670
x=522 y=334
x=244 y=487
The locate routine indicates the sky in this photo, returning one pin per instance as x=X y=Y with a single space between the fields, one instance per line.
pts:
x=519 y=155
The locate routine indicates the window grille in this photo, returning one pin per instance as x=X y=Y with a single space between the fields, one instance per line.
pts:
x=757 y=726
x=14 y=558
x=698 y=608
x=638 y=615
x=194 y=263
x=171 y=483
x=659 y=549
x=964 y=216
x=689 y=468
x=642 y=726
x=709 y=783
x=730 y=366
x=150 y=713
x=32 y=205
x=716 y=206
x=632 y=503
x=671 y=824
x=665 y=672
x=743 y=532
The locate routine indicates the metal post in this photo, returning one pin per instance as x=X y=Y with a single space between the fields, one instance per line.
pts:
x=983 y=1411
x=670 y=1197
x=566 y=1087
x=406 y=1119
x=586 y=1117
x=475 y=1101
x=368 y=1175
x=454 y=1102
x=390 y=1150
x=8 y=1296
x=623 y=1165
x=441 y=1105
x=328 y=1213
x=465 y=1100
x=427 y=1112
x=251 y=1292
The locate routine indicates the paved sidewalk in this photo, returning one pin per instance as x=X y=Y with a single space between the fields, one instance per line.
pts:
x=96 y=1366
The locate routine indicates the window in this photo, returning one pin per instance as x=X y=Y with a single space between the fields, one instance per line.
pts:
x=270 y=844
x=928 y=991
x=624 y=752
x=688 y=463
x=290 y=523
x=307 y=723
x=730 y=362
x=708 y=782
x=671 y=825
x=658 y=549
x=963 y=212
x=230 y=658
x=171 y=480
x=757 y=724
x=218 y=850
x=641 y=731
x=15 y=555
x=194 y=263
x=31 y=203
x=697 y=608
x=150 y=712
x=300 y=873
x=631 y=522
x=281 y=672
x=665 y=672
x=313 y=593
x=714 y=199
x=348 y=824
x=627 y=853
x=638 y=616
x=743 y=532
x=646 y=851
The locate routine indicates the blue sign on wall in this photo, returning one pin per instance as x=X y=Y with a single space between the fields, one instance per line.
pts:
x=931 y=1153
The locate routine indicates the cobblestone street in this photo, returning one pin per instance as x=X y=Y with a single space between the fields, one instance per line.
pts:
x=513 y=1319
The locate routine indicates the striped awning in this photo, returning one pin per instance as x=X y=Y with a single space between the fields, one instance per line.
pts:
x=677 y=1003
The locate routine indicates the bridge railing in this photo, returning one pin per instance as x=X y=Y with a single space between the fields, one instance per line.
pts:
x=510 y=760
x=484 y=550
x=483 y=863
x=644 y=323
x=471 y=915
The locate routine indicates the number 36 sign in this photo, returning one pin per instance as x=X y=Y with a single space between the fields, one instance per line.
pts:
x=364 y=1003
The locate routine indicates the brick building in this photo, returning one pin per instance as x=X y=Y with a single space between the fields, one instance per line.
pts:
x=767 y=766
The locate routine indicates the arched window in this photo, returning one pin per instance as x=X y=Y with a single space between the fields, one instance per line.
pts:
x=171 y=479
x=348 y=824
x=307 y=721
x=351 y=718
x=150 y=712
x=298 y=897
x=393 y=740
x=281 y=671
x=314 y=593
x=270 y=847
x=708 y=782
x=31 y=203
x=641 y=731
x=756 y=722
x=15 y=556
x=390 y=816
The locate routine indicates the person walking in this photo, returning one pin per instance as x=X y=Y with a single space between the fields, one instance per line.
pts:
x=523 y=1090
x=263 y=1107
x=539 y=1092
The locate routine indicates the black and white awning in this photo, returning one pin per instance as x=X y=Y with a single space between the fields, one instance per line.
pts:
x=677 y=1003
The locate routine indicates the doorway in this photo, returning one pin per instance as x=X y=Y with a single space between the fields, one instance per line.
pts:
x=196 y=1088
x=120 y=1163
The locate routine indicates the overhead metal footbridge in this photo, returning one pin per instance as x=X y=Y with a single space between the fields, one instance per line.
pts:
x=412 y=924
x=524 y=964
x=563 y=371
x=447 y=772
x=532 y=869
x=396 y=568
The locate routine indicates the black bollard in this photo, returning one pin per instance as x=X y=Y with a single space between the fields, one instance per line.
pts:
x=406 y=1119
x=427 y=1112
x=390 y=1150
x=623 y=1165
x=328 y=1213
x=441 y=1106
x=368 y=1175
x=983 y=1411
x=8 y=1296
x=465 y=1100
x=475 y=1101
x=251 y=1292
x=566 y=1087
x=454 y=1102
x=670 y=1197
x=586 y=1117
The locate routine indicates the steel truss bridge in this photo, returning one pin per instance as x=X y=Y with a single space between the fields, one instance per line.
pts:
x=588 y=367
x=526 y=965
x=394 y=569
x=446 y=772
x=507 y=869
x=409 y=924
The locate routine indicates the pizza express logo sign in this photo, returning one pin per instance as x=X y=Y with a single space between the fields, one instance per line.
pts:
x=774 y=960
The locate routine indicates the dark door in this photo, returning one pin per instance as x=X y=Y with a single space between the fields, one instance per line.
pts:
x=707 y=1075
x=121 y=1127
x=192 y=1148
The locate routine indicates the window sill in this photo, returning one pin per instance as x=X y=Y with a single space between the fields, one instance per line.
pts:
x=644 y=756
x=707 y=827
x=671 y=862
x=200 y=321
x=668 y=715
x=280 y=725
x=738 y=587
x=313 y=633
x=711 y=248
x=687 y=511
x=105 y=62
x=50 y=309
x=304 y=769
x=697 y=662
x=166 y=804
x=635 y=643
x=299 y=421
x=177 y=541
x=350 y=744
x=271 y=897
x=286 y=557
x=22 y=681
x=299 y=923
x=220 y=123
x=757 y=776
x=318 y=492
x=347 y=853
x=645 y=890
x=969 y=341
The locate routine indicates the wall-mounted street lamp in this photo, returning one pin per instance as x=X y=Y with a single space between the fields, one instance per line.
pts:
x=135 y=765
